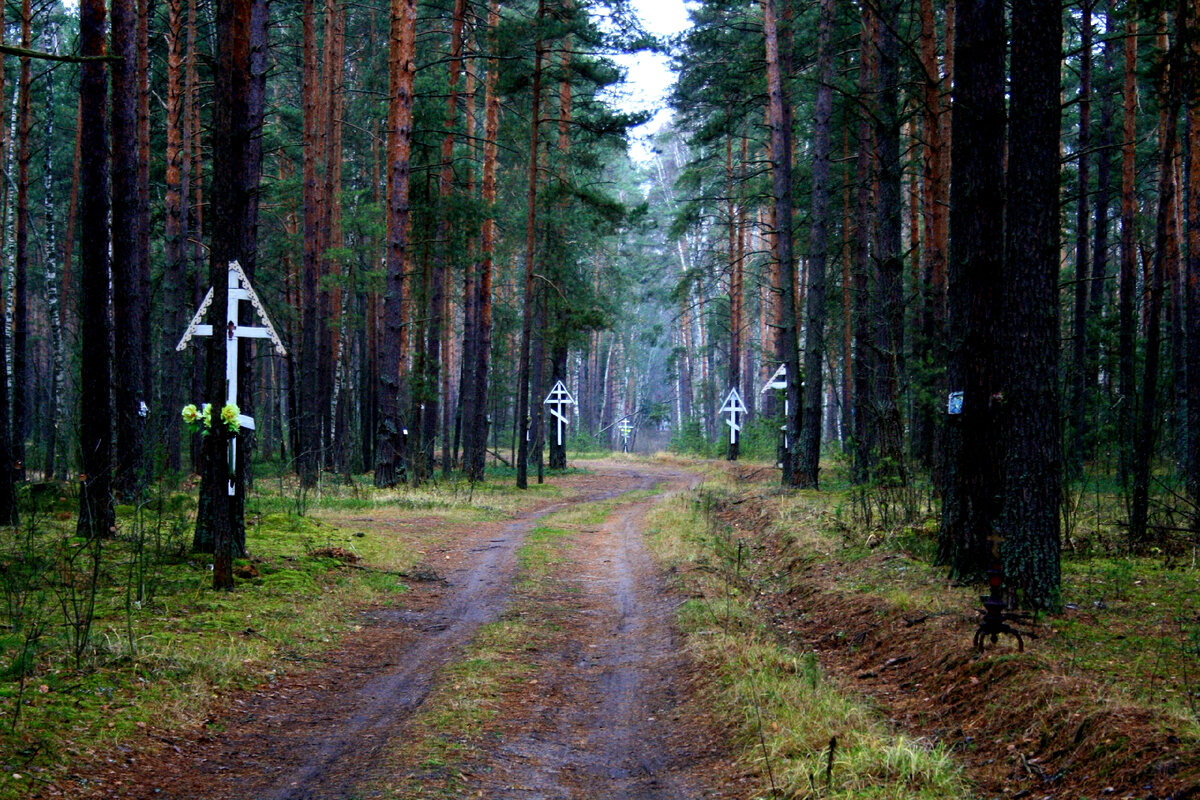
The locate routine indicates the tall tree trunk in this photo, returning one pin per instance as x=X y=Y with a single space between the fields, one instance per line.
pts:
x=1099 y=282
x=475 y=454
x=20 y=304
x=54 y=465
x=8 y=495
x=779 y=112
x=1127 y=281
x=390 y=438
x=814 y=345
x=1148 y=411
x=1079 y=349
x=523 y=421
x=308 y=459
x=129 y=303
x=1192 y=269
x=1033 y=481
x=175 y=214
x=95 y=436
x=736 y=295
x=973 y=455
x=889 y=259
x=232 y=133
x=865 y=355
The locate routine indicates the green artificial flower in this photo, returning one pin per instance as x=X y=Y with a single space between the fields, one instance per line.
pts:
x=229 y=416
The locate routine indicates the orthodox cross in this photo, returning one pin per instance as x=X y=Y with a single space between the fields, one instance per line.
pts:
x=779 y=381
x=558 y=400
x=239 y=289
x=733 y=406
x=625 y=428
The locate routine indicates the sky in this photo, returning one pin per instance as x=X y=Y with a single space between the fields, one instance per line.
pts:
x=649 y=77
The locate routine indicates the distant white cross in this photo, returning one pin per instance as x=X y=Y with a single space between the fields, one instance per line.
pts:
x=558 y=400
x=239 y=289
x=733 y=406
x=625 y=428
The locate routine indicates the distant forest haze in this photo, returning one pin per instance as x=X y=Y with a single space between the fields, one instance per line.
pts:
x=961 y=238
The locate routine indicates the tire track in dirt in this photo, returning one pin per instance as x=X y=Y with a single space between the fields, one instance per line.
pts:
x=614 y=721
x=320 y=736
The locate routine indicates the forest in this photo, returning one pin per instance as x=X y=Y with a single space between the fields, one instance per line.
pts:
x=937 y=259
x=969 y=235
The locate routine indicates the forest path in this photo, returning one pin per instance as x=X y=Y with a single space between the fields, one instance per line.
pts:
x=611 y=717
x=601 y=724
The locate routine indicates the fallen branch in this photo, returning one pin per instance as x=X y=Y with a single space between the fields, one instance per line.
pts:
x=500 y=458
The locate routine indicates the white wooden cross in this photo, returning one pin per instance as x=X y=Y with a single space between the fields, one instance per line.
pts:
x=625 y=428
x=558 y=400
x=733 y=406
x=239 y=289
x=779 y=381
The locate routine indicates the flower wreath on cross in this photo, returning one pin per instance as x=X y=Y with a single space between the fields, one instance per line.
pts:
x=199 y=420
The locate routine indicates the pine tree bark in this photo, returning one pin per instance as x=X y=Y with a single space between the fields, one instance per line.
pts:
x=973 y=455
x=1029 y=522
x=308 y=458
x=523 y=423
x=390 y=437
x=779 y=113
x=814 y=345
x=129 y=304
x=1192 y=267
x=888 y=258
x=95 y=437
x=1148 y=411
x=175 y=215
x=1079 y=348
x=475 y=452
x=865 y=433
x=1127 y=279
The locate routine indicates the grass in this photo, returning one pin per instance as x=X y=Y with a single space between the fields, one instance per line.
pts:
x=786 y=709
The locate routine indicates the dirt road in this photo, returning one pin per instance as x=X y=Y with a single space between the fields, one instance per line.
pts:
x=611 y=718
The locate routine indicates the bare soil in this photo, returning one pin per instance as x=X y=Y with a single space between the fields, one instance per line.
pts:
x=611 y=716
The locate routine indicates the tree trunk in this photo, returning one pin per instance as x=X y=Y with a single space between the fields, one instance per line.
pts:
x=54 y=465
x=390 y=438
x=1079 y=348
x=8 y=496
x=232 y=199
x=1029 y=523
x=736 y=295
x=174 y=235
x=814 y=345
x=1148 y=412
x=475 y=454
x=523 y=424
x=779 y=113
x=929 y=353
x=889 y=259
x=308 y=459
x=1127 y=281
x=973 y=461
x=129 y=304
x=1192 y=269
x=20 y=300
x=864 y=358
x=95 y=438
